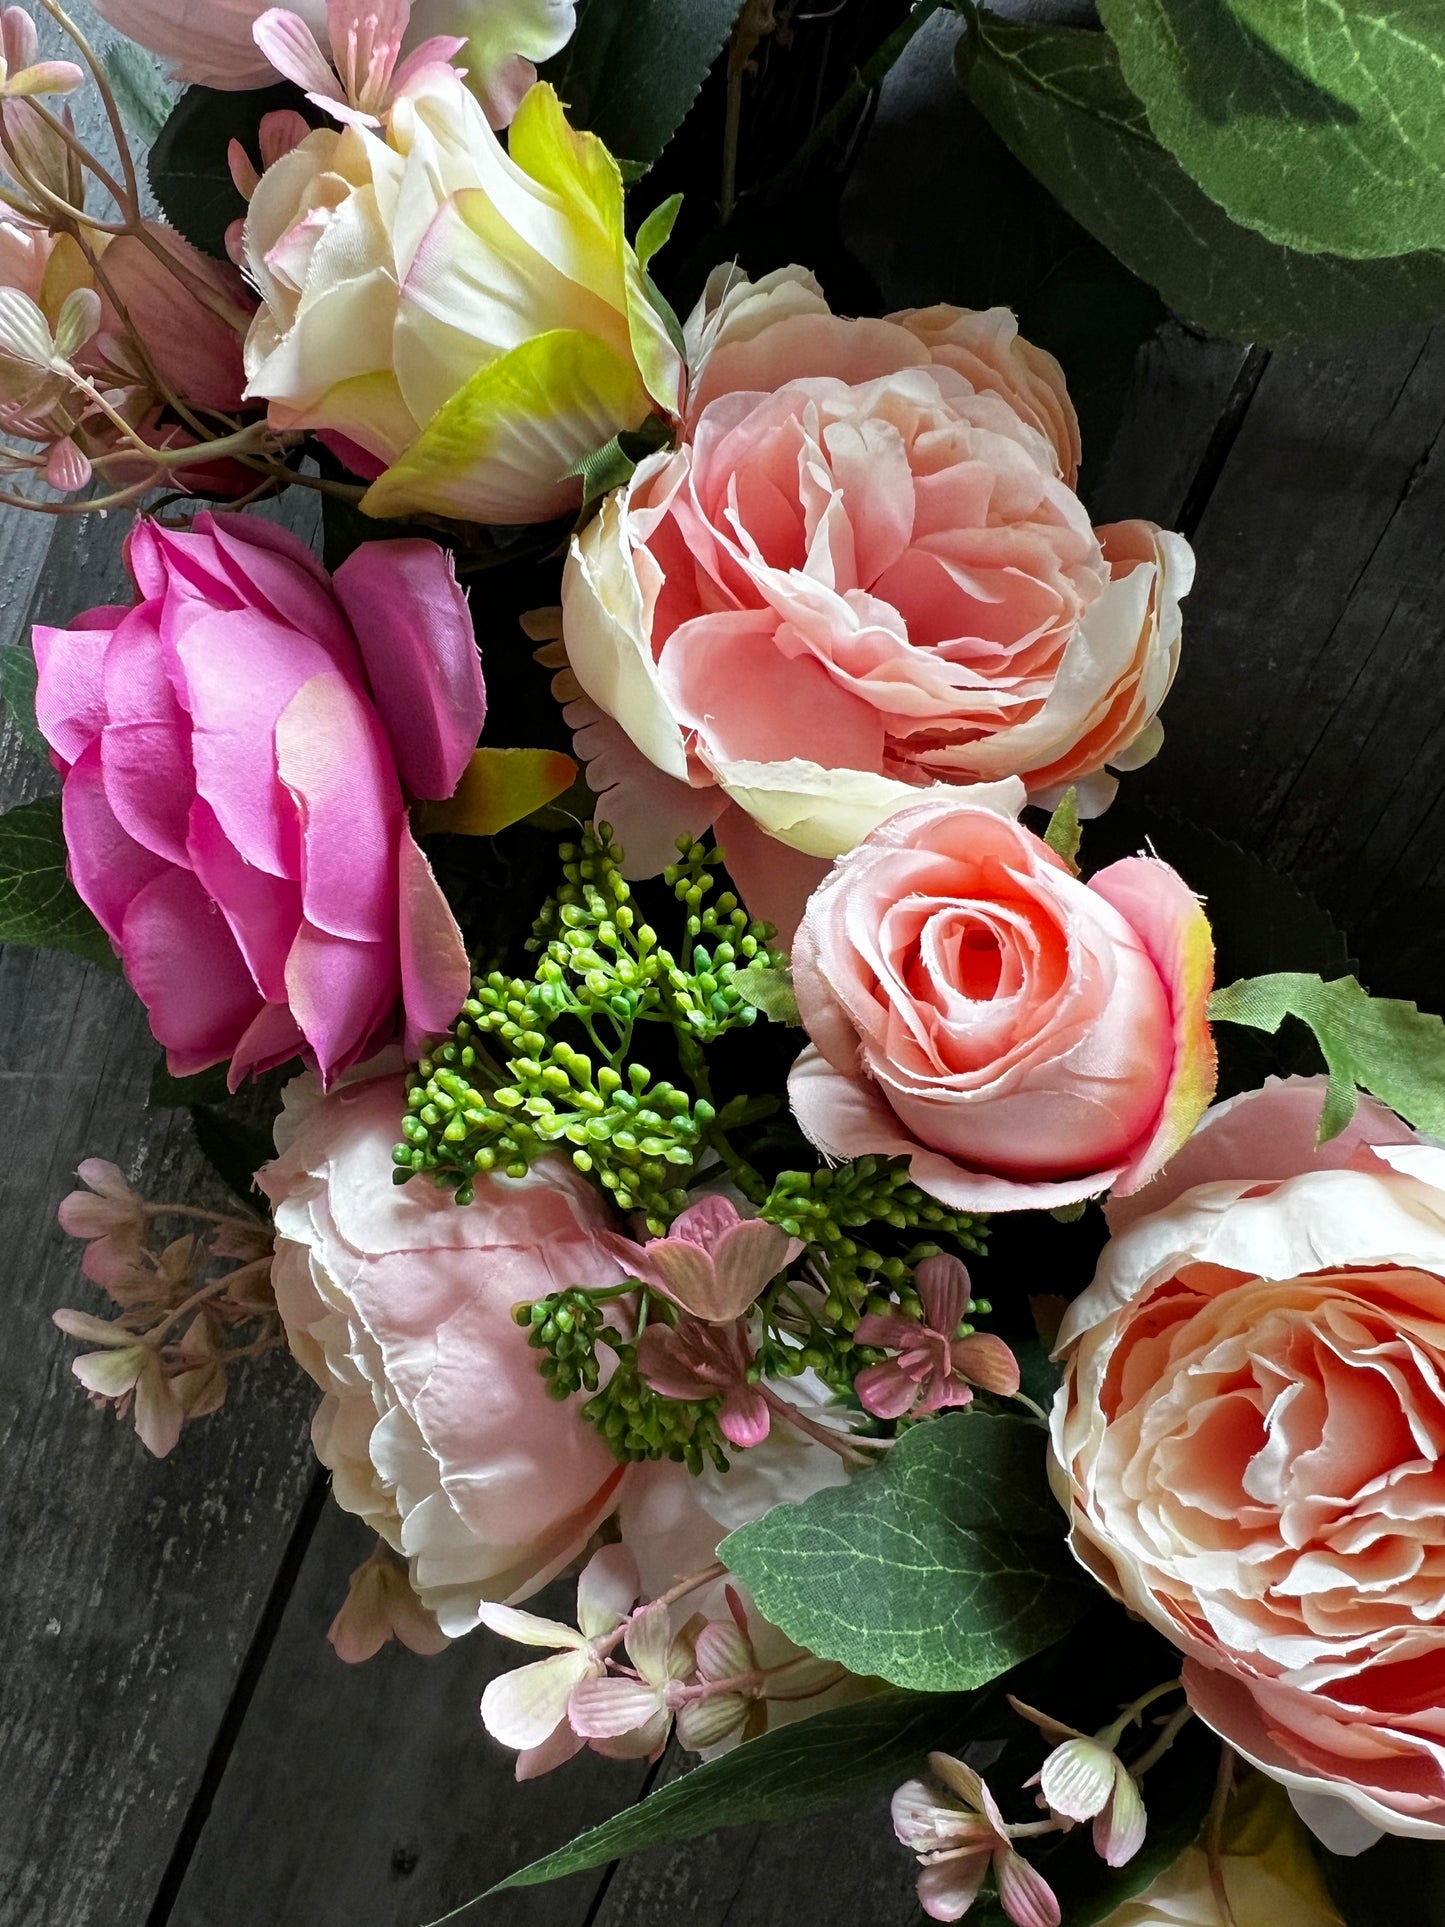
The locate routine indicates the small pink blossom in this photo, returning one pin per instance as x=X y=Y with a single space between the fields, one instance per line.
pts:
x=713 y=1262
x=110 y=1216
x=958 y=1833
x=934 y=1367
x=361 y=78
x=527 y=1708
x=21 y=71
x=693 y=1360
x=1084 y=1779
x=380 y=1606
x=630 y=1718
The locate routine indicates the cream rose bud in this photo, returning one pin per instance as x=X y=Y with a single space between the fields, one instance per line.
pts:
x=863 y=573
x=436 y=1424
x=463 y=321
x=1250 y=1440
x=1021 y=1037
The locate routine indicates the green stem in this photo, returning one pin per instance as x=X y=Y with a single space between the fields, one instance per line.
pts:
x=870 y=75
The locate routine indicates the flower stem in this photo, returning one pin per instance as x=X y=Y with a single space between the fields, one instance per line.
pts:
x=847 y=1449
x=1170 y=1732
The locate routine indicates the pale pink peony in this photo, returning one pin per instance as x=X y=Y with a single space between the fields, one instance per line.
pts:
x=864 y=572
x=1023 y=1038
x=237 y=748
x=213 y=42
x=436 y=1425
x=1250 y=1437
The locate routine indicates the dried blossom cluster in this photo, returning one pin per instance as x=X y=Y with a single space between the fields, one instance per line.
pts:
x=189 y=1310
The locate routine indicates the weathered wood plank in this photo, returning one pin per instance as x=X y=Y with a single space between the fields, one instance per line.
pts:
x=131 y=1590
x=1307 y=716
x=372 y=1795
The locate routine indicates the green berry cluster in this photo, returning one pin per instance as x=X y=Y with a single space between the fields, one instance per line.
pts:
x=566 y=1327
x=639 y=1423
x=830 y=1209
x=509 y=1083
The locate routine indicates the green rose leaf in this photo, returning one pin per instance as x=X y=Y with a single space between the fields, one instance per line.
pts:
x=1316 y=123
x=634 y=67
x=1065 y=832
x=1376 y=1044
x=38 y=902
x=937 y=1571
x=141 y=93
x=868 y=1747
x=770 y=991
x=1058 y=97
x=189 y=170
x=18 y=676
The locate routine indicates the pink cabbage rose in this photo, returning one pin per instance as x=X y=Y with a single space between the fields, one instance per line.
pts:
x=436 y=1425
x=212 y=41
x=1022 y=1037
x=1249 y=1439
x=236 y=747
x=865 y=572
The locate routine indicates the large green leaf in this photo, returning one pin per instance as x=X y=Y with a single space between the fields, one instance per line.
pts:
x=38 y=903
x=1379 y=1044
x=805 y=1768
x=189 y=170
x=634 y=67
x=1059 y=99
x=17 y=692
x=1318 y=123
x=141 y=93
x=937 y=1571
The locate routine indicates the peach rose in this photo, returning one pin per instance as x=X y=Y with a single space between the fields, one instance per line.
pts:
x=865 y=572
x=1023 y=1038
x=436 y=1424
x=1249 y=1439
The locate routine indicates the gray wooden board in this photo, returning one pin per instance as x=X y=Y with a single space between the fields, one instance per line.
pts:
x=1310 y=699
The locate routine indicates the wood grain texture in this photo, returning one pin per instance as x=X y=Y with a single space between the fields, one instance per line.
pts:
x=131 y=1589
x=1309 y=704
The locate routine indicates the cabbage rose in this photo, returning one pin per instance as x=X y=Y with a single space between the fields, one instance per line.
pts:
x=1250 y=1437
x=864 y=572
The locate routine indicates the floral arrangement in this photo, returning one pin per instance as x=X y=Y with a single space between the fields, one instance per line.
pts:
x=753 y=1126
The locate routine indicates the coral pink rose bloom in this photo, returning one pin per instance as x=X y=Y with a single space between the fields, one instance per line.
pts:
x=1021 y=1037
x=1250 y=1438
x=236 y=748
x=865 y=572
x=436 y=1425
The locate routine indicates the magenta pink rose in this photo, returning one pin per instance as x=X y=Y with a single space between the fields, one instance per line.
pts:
x=864 y=572
x=238 y=748
x=1021 y=1037
x=1250 y=1439
x=436 y=1426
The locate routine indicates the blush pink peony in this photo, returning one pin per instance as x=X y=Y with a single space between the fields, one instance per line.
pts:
x=1250 y=1439
x=865 y=572
x=436 y=1425
x=1021 y=1037
x=237 y=750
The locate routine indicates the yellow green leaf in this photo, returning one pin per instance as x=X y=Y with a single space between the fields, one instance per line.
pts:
x=498 y=787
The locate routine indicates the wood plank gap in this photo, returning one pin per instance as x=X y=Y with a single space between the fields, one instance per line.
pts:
x=609 y=1872
x=239 y=1704
x=1221 y=441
